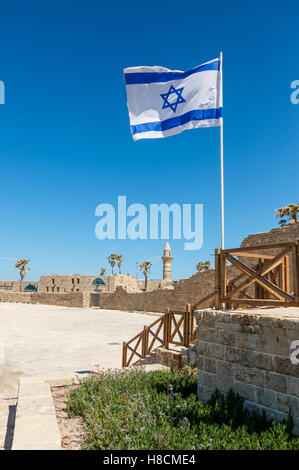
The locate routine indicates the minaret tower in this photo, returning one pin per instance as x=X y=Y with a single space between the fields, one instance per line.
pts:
x=167 y=259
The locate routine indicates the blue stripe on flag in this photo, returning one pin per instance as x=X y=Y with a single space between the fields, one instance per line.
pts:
x=195 y=115
x=154 y=77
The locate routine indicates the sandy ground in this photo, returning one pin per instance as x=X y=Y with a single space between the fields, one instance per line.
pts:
x=72 y=430
x=42 y=339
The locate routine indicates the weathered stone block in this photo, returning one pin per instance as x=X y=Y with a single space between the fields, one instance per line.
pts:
x=224 y=375
x=246 y=358
x=210 y=365
x=283 y=365
x=269 y=321
x=293 y=386
x=233 y=354
x=252 y=407
x=250 y=376
x=266 y=397
x=204 y=394
x=276 y=382
x=218 y=351
x=263 y=361
x=207 y=380
x=193 y=358
x=250 y=329
x=200 y=362
x=289 y=323
x=228 y=338
x=209 y=335
x=207 y=324
x=248 y=341
x=246 y=391
x=293 y=335
x=274 y=341
x=203 y=348
x=287 y=403
x=221 y=325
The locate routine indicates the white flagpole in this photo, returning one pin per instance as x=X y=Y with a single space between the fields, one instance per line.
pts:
x=221 y=157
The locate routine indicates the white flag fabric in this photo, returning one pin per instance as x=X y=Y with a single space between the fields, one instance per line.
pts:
x=164 y=102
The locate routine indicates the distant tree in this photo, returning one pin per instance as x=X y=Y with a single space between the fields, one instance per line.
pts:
x=291 y=212
x=145 y=267
x=203 y=266
x=120 y=259
x=103 y=271
x=21 y=266
x=112 y=261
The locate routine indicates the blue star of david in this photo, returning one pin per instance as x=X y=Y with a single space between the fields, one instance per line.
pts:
x=173 y=105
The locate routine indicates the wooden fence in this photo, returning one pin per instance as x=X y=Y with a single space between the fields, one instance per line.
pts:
x=174 y=327
x=268 y=276
x=265 y=275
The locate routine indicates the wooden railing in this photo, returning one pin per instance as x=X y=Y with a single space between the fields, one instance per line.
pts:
x=266 y=281
x=174 y=327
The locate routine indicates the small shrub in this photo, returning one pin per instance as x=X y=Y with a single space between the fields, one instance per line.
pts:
x=159 y=410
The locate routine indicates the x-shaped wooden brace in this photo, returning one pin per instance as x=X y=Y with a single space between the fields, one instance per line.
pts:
x=257 y=276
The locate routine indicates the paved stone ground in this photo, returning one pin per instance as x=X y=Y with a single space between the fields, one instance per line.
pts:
x=44 y=339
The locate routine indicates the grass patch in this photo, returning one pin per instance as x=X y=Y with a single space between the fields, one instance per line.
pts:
x=159 y=410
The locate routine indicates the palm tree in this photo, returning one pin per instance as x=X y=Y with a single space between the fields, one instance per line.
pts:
x=112 y=260
x=120 y=260
x=145 y=267
x=103 y=270
x=203 y=266
x=291 y=211
x=21 y=266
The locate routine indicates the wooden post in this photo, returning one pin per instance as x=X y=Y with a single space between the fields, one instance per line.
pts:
x=282 y=275
x=166 y=327
x=287 y=274
x=124 y=361
x=259 y=292
x=192 y=323
x=217 y=278
x=144 y=342
x=222 y=278
x=187 y=325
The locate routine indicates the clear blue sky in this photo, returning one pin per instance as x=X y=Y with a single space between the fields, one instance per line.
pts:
x=65 y=143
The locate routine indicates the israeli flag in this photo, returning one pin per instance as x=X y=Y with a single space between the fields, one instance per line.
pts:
x=164 y=102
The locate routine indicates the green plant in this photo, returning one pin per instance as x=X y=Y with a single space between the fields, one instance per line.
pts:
x=145 y=267
x=291 y=211
x=133 y=409
x=203 y=266
x=120 y=259
x=112 y=261
x=21 y=266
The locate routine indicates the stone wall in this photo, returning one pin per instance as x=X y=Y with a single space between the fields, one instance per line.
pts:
x=75 y=299
x=249 y=353
x=78 y=283
x=185 y=291
x=287 y=234
x=16 y=286
x=276 y=235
